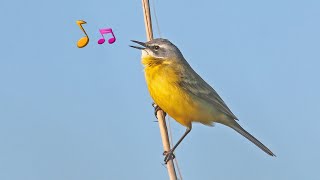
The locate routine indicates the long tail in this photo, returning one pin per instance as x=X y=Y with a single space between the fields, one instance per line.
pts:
x=244 y=133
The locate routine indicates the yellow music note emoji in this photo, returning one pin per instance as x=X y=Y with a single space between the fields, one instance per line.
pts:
x=84 y=40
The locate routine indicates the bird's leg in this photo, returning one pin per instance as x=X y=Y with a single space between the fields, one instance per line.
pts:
x=156 y=109
x=169 y=155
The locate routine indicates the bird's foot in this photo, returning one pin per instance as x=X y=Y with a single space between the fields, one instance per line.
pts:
x=156 y=109
x=168 y=156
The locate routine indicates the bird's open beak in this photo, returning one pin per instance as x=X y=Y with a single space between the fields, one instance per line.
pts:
x=141 y=43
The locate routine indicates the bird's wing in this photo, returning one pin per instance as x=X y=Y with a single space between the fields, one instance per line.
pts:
x=194 y=84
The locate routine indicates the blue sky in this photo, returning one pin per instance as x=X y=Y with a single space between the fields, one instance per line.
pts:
x=85 y=114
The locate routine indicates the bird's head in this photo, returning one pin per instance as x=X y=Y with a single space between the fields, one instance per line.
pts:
x=159 y=49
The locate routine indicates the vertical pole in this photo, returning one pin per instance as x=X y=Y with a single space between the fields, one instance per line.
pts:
x=147 y=19
x=160 y=113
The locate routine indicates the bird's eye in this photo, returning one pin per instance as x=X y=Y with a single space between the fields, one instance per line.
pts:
x=156 y=47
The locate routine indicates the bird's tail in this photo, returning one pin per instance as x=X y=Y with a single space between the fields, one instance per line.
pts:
x=244 y=133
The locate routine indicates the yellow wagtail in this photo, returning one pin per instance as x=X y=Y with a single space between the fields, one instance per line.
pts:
x=177 y=89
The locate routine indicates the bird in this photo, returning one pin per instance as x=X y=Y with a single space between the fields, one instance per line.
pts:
x=179 y=91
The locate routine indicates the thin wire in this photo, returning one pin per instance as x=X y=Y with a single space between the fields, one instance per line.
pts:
x=170 y=137
x=155 y=16
x=168 y=120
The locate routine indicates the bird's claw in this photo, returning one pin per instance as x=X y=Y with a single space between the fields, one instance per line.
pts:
x=168 y=156
x=156 y=109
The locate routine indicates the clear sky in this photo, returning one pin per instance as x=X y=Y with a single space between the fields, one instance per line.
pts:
x=85 y=114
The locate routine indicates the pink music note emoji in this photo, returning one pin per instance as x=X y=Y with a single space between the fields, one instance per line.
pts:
x=106 y=31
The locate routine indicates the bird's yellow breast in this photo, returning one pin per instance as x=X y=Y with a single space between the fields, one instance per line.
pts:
x=163 y=79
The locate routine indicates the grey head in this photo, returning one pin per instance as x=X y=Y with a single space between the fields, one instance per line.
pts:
x=160 y=49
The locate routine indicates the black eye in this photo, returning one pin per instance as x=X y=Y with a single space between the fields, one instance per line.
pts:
x=155 y=47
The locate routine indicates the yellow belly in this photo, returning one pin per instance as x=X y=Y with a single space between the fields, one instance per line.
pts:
x=164 y=89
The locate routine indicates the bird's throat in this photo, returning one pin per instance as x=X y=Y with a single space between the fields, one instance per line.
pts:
x=149 y=61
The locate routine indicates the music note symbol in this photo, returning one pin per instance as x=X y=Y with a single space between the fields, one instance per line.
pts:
x=84 y=40
x=106 y=31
